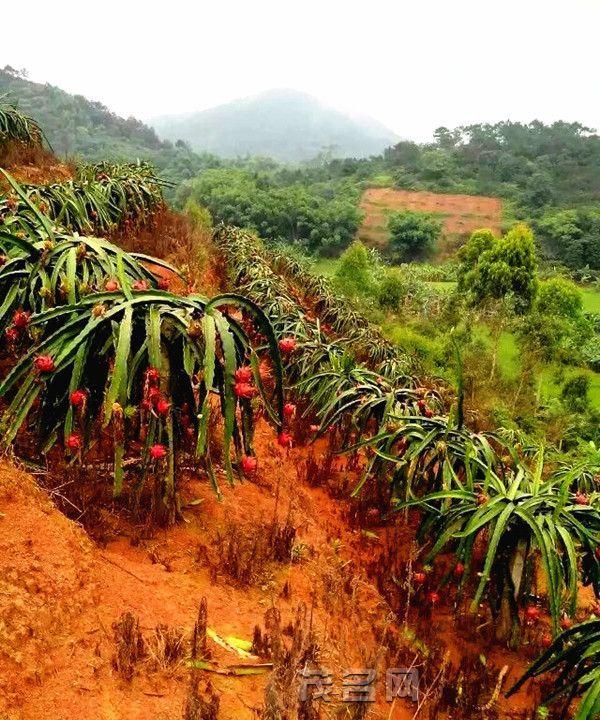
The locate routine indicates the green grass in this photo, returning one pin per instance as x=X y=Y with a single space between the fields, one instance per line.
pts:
x=509 y=361
x=324 y=266
x=444 y=286
x=591 y=300
x=551 y=388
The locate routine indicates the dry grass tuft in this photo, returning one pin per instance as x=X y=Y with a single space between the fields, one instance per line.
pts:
x=131 y=647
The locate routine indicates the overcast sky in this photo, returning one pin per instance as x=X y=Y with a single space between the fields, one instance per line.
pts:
x=412 y=65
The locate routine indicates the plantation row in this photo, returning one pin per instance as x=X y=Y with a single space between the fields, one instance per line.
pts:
x=107 y=356
x=502 y=519
x=334 y=310
x=101 y=198
x=458 y=480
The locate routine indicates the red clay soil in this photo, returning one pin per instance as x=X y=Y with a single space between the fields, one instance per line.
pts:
x=171 y=237
x=461 y=213
x=32 y=165
x=61 y=594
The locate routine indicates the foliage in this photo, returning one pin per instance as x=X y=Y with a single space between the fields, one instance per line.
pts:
x=572 y=236
x=561 y=297
x=480 y=241
x=556 y=328
x=412 y=234
x=581 y=469
x=356 y=271
x=43 y=267
x=104 y=345
x=534 y=164
x=253 y=270
x=102 y=197
x=496 y=268
x=100 y=354
x=322 y=219
x=518 y=513
x=82 y=129
x=199 y=216
x=574 y=659
x=14 y=125
x=392 y=290
x=574 y=393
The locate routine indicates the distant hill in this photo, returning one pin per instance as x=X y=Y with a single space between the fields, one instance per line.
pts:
x=80 y=128
x=75 y=125
x=283 y=124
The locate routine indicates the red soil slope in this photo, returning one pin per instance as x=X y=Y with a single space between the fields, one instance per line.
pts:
x=61 y=595
x=461 y=213
x=33 y=165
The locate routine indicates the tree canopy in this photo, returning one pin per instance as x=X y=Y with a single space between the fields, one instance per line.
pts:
x=497 y=268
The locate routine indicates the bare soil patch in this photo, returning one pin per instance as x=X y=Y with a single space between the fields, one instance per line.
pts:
x=461 y=214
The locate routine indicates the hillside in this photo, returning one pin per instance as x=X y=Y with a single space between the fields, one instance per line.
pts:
x=81 y=128
x=234 y=466
x=284 y=124
x=75 y=125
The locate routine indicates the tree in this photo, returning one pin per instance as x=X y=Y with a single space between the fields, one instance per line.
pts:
x=573 y=236
x=574 y=393
x=561 y=297
x=501 y=268
x=556 y=325
x=412 y=234
x=322 y=217
x=469 y=254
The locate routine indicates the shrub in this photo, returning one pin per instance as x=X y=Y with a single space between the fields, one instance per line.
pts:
x=199 y=216
x=496 y=268
x=574 y=393
x=590 y=352
x=356 y=271
x=561 y=297
x=412 y=234
x=392 y=290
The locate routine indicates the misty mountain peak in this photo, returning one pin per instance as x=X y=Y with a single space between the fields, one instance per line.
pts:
x=282 y=123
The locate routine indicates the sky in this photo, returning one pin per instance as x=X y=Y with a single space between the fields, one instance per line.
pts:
x=411 y=65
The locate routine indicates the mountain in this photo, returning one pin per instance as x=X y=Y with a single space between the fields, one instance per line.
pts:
x=283 y=124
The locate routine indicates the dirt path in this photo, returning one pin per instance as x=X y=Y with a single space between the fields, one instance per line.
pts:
x=60 y=596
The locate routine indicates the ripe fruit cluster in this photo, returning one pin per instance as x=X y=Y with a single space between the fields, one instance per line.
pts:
x=19 y=325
